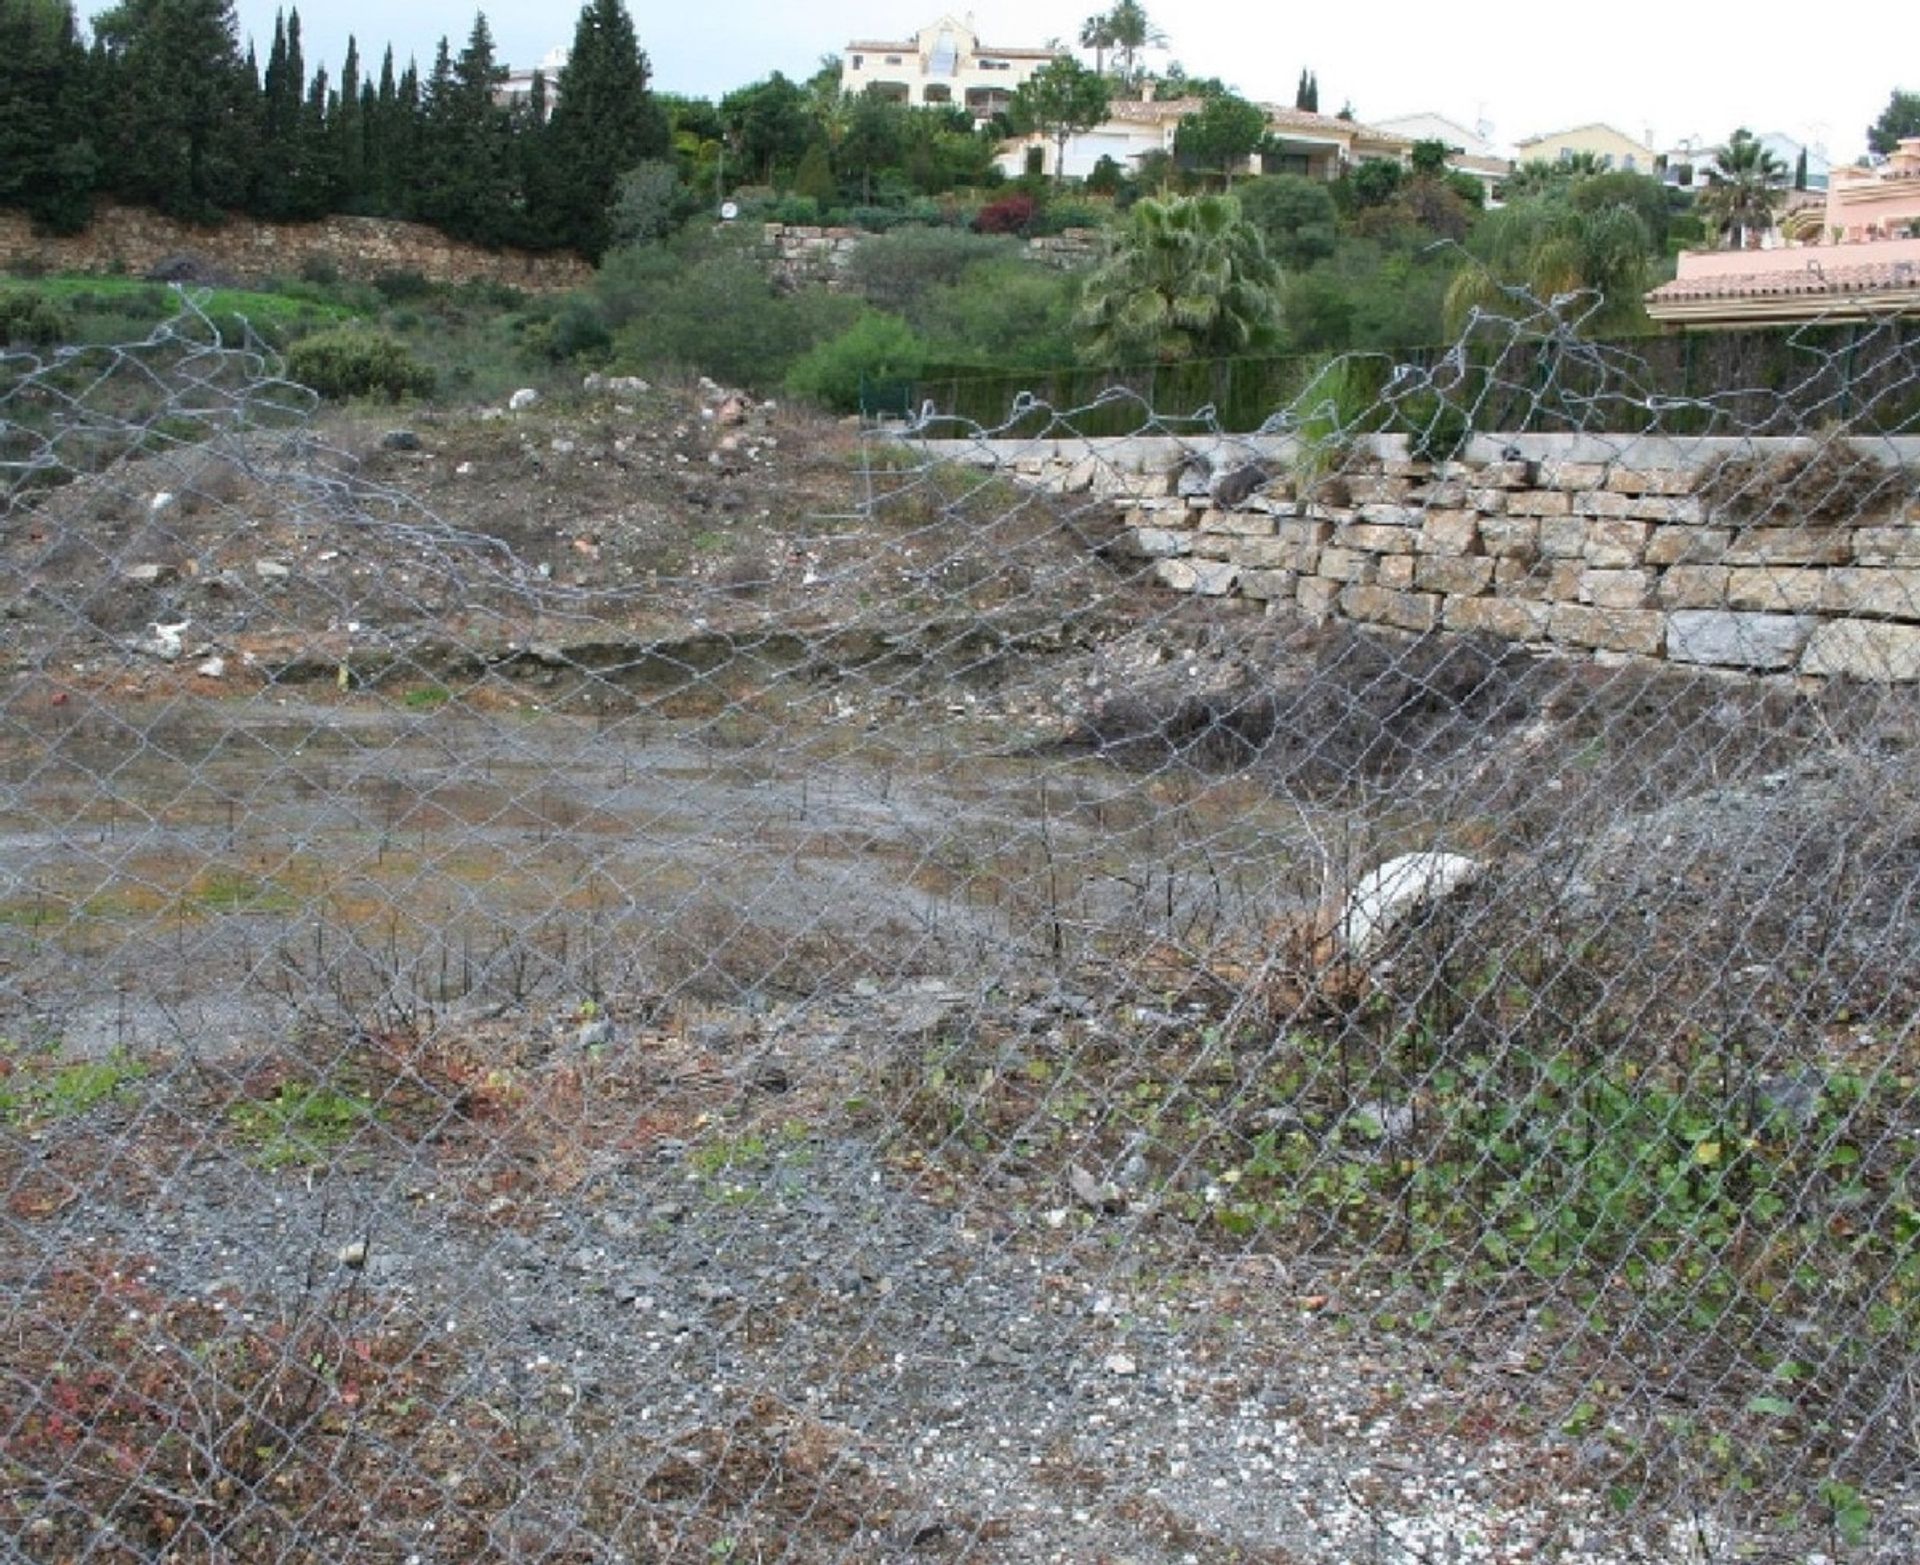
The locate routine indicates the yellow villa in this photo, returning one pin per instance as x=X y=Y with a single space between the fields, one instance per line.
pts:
x=1614 y=149
x=943 y=63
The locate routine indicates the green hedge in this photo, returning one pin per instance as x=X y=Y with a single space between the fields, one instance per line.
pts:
x=1772 y=381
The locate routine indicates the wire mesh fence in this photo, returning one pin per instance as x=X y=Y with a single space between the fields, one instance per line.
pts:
x=642 y=977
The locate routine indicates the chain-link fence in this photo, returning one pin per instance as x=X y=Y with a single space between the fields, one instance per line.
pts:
x=642 y=977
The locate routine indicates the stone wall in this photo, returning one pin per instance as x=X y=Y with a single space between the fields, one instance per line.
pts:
x=797 y=255
x=134 y=239
x=1647 y=549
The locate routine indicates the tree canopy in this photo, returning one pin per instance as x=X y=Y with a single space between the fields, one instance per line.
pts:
x=1060 y=100
x=1901 y=117
x=1225 y=131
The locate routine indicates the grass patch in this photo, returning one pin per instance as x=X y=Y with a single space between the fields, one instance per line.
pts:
x=426 y=698
x=44 y=1089
x=302 y=1124
x=105 y=309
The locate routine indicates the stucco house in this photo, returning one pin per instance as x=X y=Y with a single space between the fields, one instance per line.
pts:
x=1320 y=146
x=1690 y=160
x=1865 y=260
x=1877 y=203
x=1469 y=151
x=518 y=86
x=943 y=63
x=1614 y=149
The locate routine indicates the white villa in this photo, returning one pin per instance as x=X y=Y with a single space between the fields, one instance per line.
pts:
x=1320 y=146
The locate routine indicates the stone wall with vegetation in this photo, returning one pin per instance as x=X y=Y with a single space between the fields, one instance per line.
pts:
x=800 y=255
x=134 y=240
x=1779 y=555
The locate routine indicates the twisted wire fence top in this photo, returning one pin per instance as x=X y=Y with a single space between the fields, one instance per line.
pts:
x=649 y=977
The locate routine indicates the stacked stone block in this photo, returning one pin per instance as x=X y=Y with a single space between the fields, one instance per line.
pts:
x=1603 y=558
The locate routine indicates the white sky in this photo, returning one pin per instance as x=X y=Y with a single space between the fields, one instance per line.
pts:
x=1821 y=74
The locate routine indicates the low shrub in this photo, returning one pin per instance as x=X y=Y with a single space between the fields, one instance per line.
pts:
x=33 y=319
x=403 y=285
x=1009 y=215
x=875 y=348
x=354 y=362
x=896 y=271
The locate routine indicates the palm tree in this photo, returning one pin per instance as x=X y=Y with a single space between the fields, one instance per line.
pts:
x=1096 y=33
x=1186 y=277
x=1745 y=185
x=1133 y=34
x=1533 y=253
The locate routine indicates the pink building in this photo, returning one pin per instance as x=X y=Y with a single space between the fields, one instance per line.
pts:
x=1863 y=261
x=1877 y=203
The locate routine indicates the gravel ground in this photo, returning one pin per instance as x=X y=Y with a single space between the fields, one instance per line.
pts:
x=601 y=1003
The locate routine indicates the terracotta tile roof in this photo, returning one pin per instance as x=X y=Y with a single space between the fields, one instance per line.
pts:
x=912 y=46
x=1816 y=281
x=1304 y=119
x=1155 y=110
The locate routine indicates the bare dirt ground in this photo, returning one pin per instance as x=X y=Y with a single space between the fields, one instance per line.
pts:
x=646 y=979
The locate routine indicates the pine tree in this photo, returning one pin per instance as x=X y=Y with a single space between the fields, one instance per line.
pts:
x=604 y=122
x=48 y=164
x=180 y=106
x=1307 y=95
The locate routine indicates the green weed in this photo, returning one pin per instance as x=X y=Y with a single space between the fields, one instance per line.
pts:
x=45 y=1089
x=303 y=1124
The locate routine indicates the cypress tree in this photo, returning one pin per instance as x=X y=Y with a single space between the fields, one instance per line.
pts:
x=386 y=130
x=467 y=185
x=347 y=128
x=604 y=122
x=316 y=175
x=429 y=171
x=279 y=106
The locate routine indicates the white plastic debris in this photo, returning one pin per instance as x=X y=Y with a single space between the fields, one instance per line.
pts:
x=1387 y=894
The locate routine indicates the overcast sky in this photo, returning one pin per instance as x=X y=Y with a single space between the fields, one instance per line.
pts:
x=1822 y=73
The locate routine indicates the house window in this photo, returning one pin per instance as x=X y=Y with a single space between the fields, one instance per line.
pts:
x=938 y=92
x=859 y=60
x=893 y=59
x=1632 y=164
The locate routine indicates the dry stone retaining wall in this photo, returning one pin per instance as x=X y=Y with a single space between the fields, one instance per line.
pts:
x=798 y=255
x=134 y=240
x=1603 y=547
